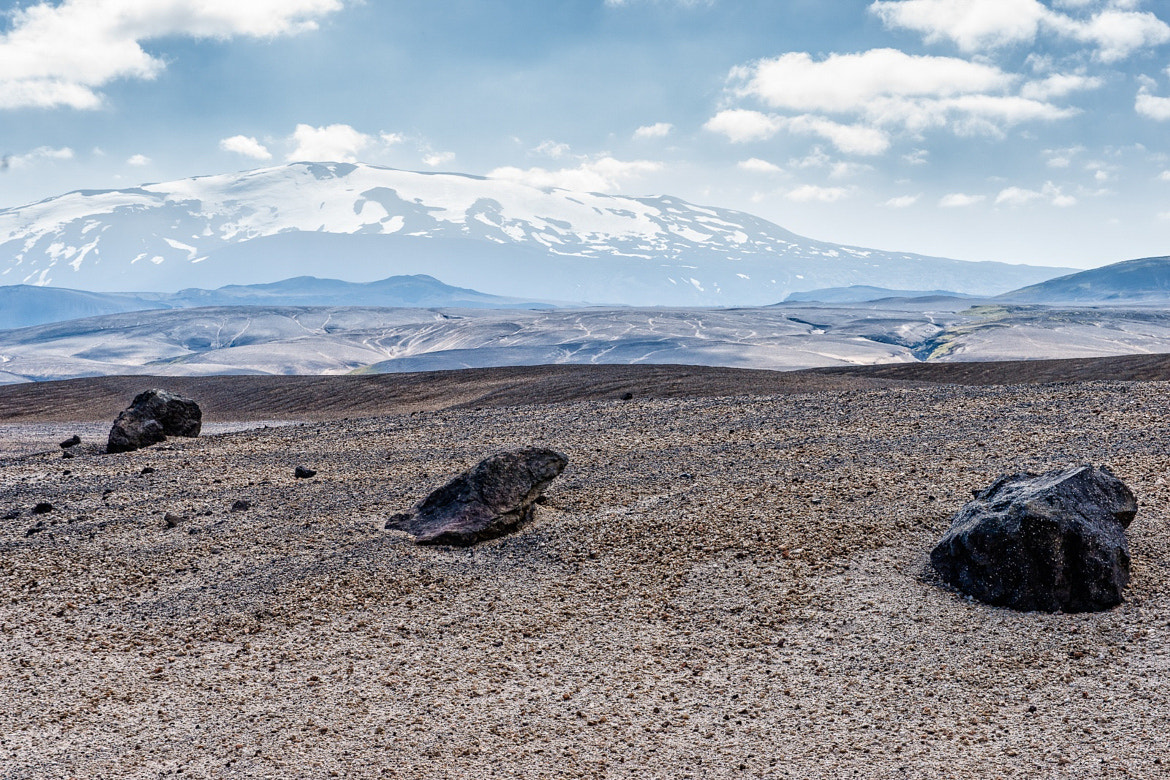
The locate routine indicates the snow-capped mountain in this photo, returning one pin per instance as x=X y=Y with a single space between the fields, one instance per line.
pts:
x=363 y=222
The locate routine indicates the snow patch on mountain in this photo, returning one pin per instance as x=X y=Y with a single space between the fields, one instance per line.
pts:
x=495 y=235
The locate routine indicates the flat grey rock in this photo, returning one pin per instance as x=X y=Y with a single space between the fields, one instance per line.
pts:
x=487 y=501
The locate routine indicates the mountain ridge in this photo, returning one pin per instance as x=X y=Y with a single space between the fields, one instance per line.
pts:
x=366 y=222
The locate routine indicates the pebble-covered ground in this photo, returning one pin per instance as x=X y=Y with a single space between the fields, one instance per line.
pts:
x=722 y=587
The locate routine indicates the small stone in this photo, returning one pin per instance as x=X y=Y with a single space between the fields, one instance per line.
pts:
x=67 y=454
x=12 y=514
x=42 y=508
x=304 y=472
x=195 y=530
x=627 y=396
x=147 y=470
x=36 y=529
x=172 y=520
x=241 y=506
x=72 y=441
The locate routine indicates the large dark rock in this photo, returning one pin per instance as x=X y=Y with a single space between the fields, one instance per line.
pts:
x=1051 y=542
x=485 y=502
x=151 y=418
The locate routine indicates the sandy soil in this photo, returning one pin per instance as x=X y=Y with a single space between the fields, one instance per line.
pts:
x=726 y=586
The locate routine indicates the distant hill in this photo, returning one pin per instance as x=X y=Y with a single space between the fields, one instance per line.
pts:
x=860 y=293
x=1132 y=281
x=23 y=305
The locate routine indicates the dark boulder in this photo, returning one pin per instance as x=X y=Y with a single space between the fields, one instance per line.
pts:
x=1050 y=542
x=304 y=472
x=485 y=502
x=151 y=418
x=72 y=441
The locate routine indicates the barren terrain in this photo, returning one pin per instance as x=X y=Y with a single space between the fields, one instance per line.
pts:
x=727 y=581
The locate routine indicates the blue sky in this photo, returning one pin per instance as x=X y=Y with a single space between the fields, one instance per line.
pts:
x=1015 y=130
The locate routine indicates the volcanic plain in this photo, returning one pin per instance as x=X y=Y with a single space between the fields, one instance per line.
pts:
x=730 y=579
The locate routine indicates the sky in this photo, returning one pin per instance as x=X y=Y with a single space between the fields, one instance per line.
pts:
x=1026 y=131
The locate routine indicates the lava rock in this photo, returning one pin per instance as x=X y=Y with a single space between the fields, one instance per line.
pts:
x=485 y=502
x=241 y=506
x=43 y=508
x=151 y=418
x=1050 y=542
x=72 y=441
x=171 y=520
x=67 y=454
x=304 y=472
x=627 y=396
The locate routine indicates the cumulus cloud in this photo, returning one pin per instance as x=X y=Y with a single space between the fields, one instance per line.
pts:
x=602 y=175
x=392 y=139
x=247 y=146
x=1114 y=32
x=657 y=130
x=435 y=159
x=553 y=149
x=811 y=192
x=1060 y=85
x=756 y=165
x=28 y=159
x=61 y=55
x=882 y=90
x=973 y=26
x=902 y=201
x=334 y=143
x=138 y=160
x=956 y=200
x=741 y=125
x=1152 y=106
x=1019 y=196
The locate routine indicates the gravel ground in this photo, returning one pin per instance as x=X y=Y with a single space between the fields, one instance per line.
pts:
x=720 y=587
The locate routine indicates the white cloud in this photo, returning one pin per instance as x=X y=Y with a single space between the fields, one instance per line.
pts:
x=1117 y=34
x=917 y=157
x=392 y=139
x=138 y=160
x=851 y=139
x=741 y=125
x=247 y=146
x=846 y=82
x=973 y=25
x=885 y=88
x=29 y=159
x=811 y=192
x=435 y=159
x=603 y=175
x=960 y=200
x=1164 y=176
x=658 y=130
x=60 y=55
x=756 y=165
x=1019 y=196
x=980 y=25
x=1153 y=107
x=902 y=201
x=552 y=149
x=335 y=143
x=1059 y=85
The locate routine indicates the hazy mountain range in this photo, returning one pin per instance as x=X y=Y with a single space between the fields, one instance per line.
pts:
x=26 y=305
x=362 y=222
